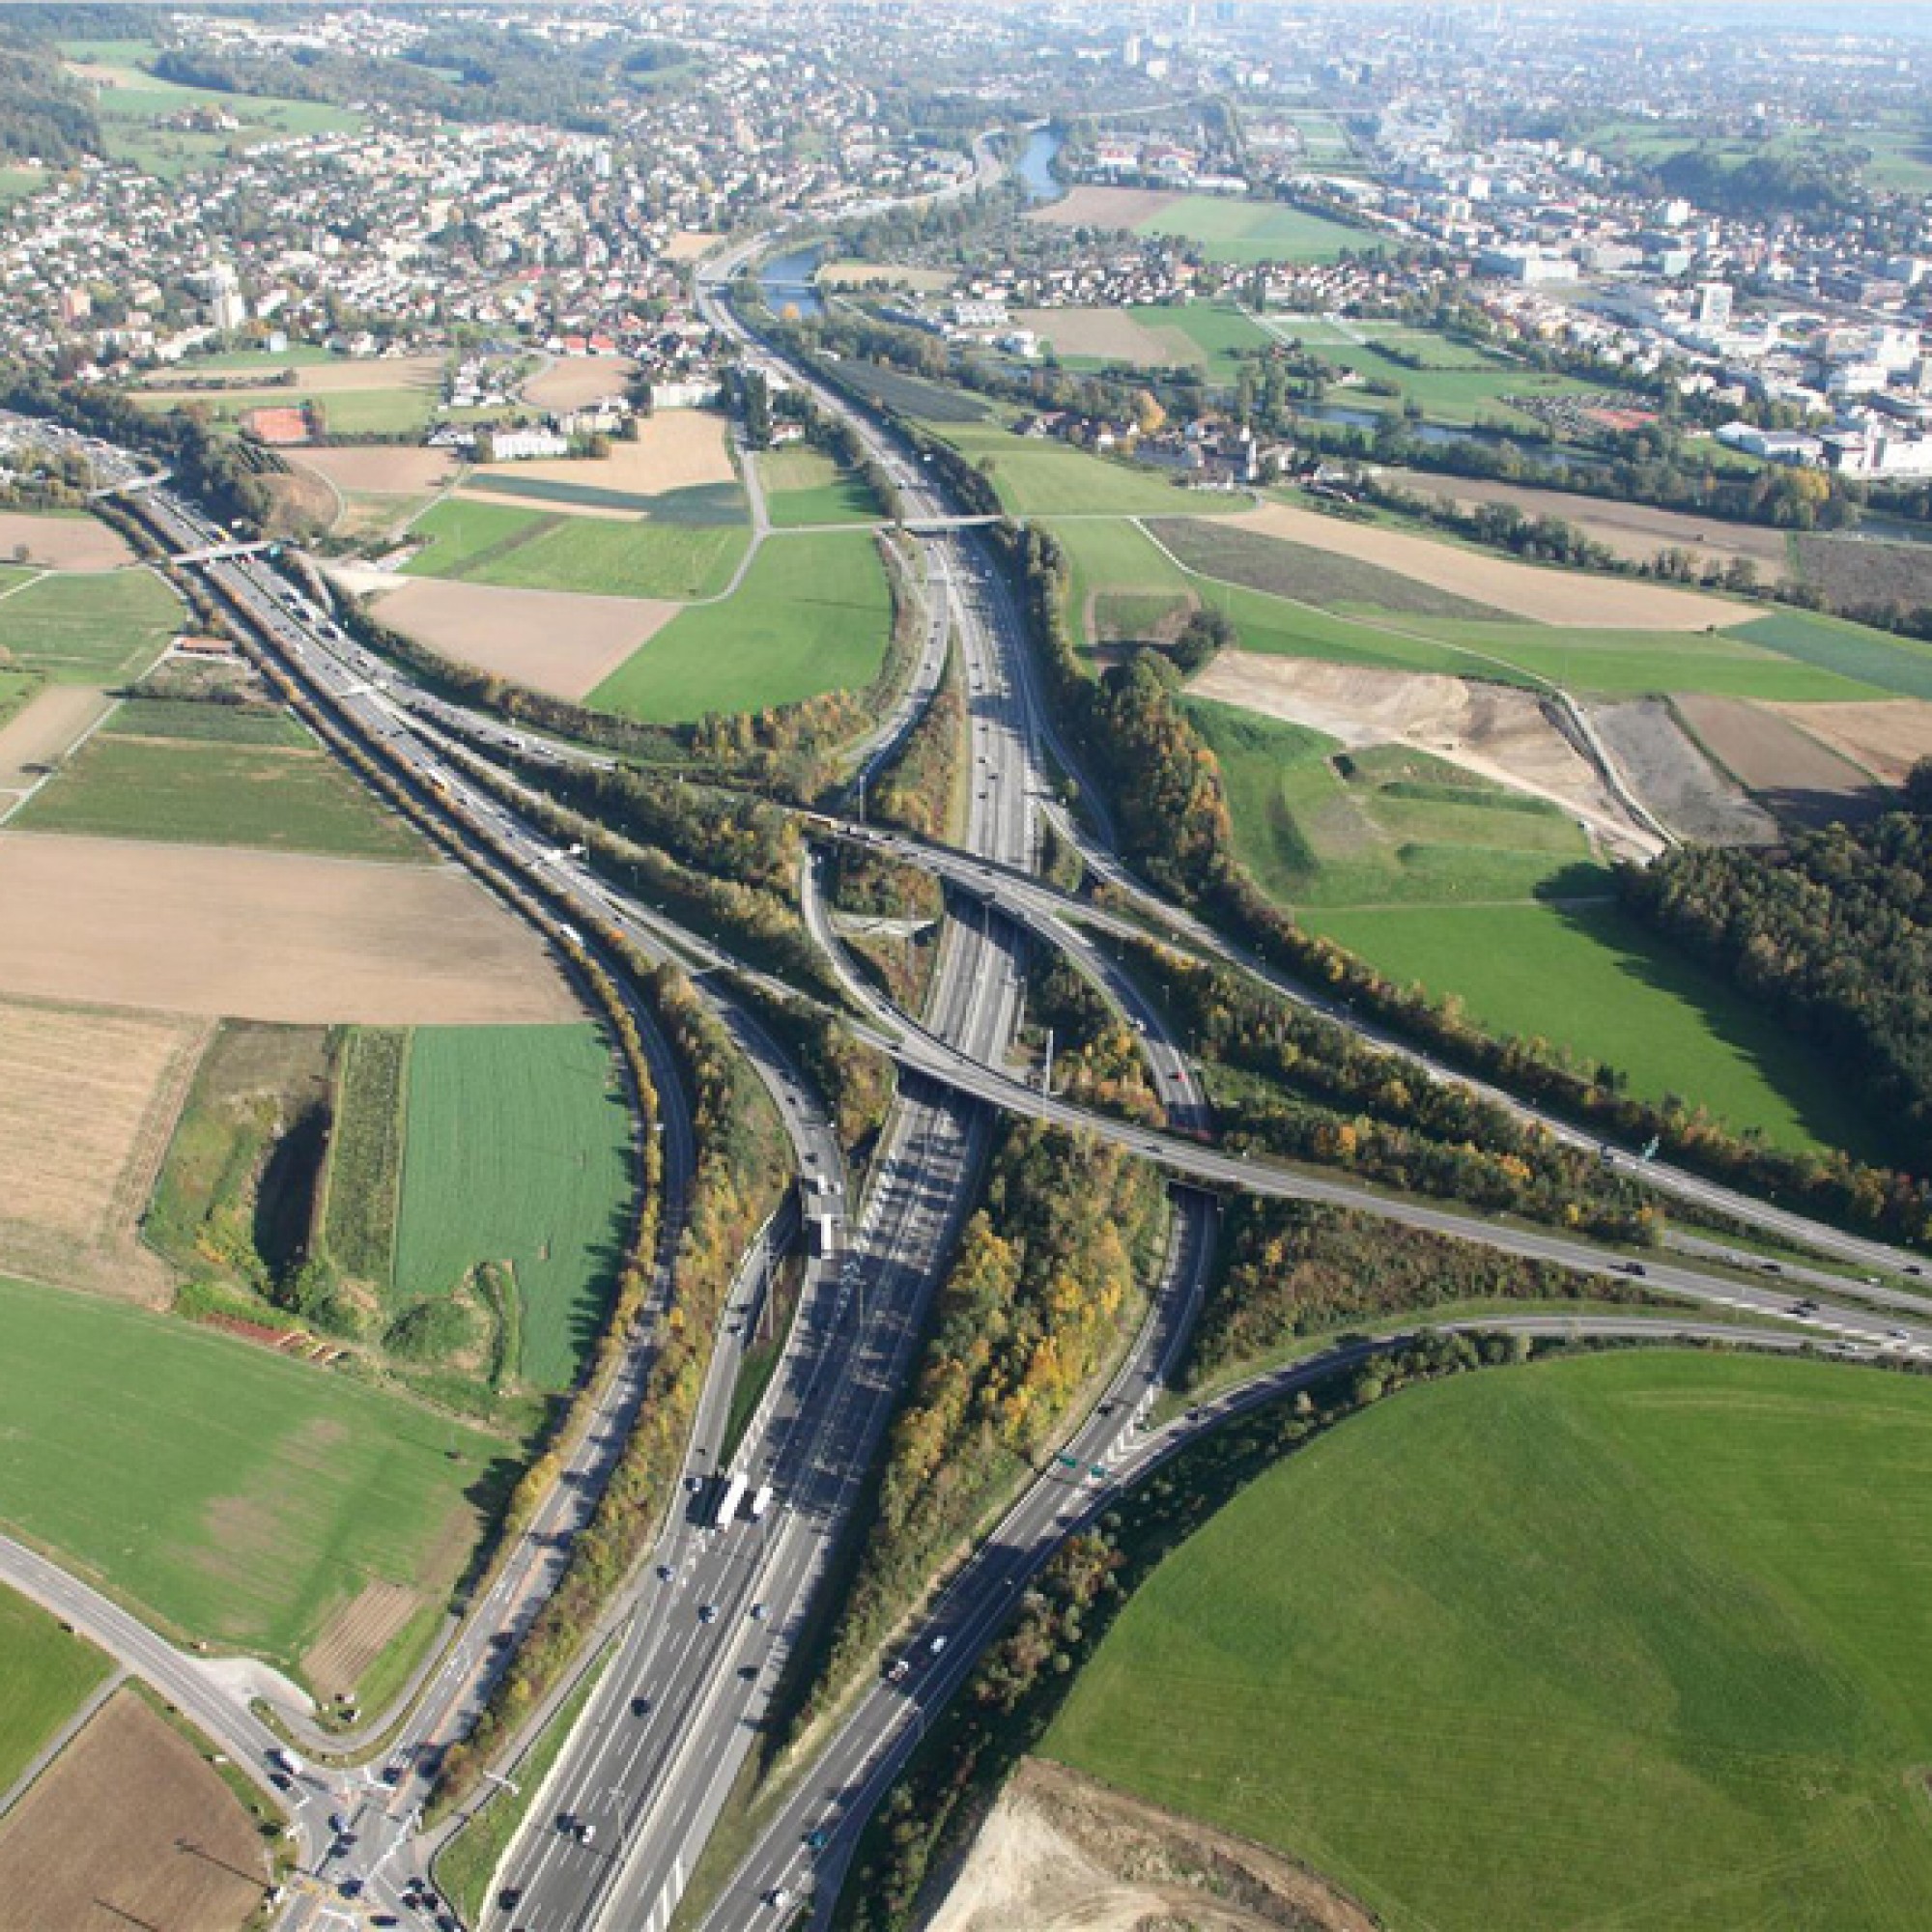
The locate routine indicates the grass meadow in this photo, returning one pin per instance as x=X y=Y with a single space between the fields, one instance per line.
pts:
x=805 y=486
x=1587 y=979
x=47 y=1675
x=220 y=1487
x=1233 y=230
x=532 y=549
x=188 y=791
x=1632 y=1639
x=517 y=1151
x=812 y=614
x=1037 y=477
x=95 y=627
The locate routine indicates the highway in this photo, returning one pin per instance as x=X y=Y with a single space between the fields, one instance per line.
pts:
x=644 y=1776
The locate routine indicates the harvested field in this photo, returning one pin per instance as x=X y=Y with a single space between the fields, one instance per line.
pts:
x=1856 y=573
x=572 y=381
x=1888 y=739
x=1090 y=207
x=1561 y=597
x=676 y=449
x=1797 y=779
x=1495 y=731
x=1631 y=530
x=357 y=1635
x=382 y=468
x=1673 y=778
x=264 y=935
x=849 y=274
x=62 y=542
x=86 y=1102
x=129 y=1826
x=338 y=375
x=1062 y=1853
x=690 y=244
x=554 y=640
x=1114 y=334
x=55 y=716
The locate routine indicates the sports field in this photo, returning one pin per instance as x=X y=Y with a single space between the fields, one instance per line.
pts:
x=805 y=486
x=812 y=614
x=224 y=1489
x=517 y=1151
x=1628 y=1640
x=1319 y=825
x=88 y=628
x=1584 y=977
x=46 y=1675
x=1231 y=229
x=532 y=549
x=211 y=789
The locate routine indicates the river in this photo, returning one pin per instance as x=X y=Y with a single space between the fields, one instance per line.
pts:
x=1036 y=169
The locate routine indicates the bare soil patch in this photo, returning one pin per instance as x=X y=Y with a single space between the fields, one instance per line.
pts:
x=561 y=641
x=1887 y=737
x=54 y=719
x=1106 y=207
x=128 y=1827
x=1501 y=732
x=1110 y=332
x=382 y=468
x=676 y=449
x=357 y=1635
x=572 y=381
x=1670 y=774
x=265 y=935
x=1798 y=780
x=88 y=1100
x=1061 y=1853
x=689 y=246
x=887 y=274
x=1563 y=597
x=62 y=543
x=1634 y=531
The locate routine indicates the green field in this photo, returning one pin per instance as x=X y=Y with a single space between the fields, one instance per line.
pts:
x=1586 y=978
x=135 y=102
x=1233 y=230
x=812 y=614
x=224 y=1489
x=1629 y=1640
x=1319 y=826
x=46 y=1674
x=398 y=413
x=1037 y=477
x=805 y=486
x=1222 y=335
x=88 y=628
x=187 y=722
x=517 y=1151
x=363 y=1189
x=490 y=543
x=213 y=793
x=1459 y=383
x=1844 y=649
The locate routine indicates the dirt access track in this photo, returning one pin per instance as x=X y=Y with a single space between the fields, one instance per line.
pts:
x=265 y=935
x=1499 y=731
x=1062 y=1852
x=1562 y=597
x=129 y=1828
x=562 y=641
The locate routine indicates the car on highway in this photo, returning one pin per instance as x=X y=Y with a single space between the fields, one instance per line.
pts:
x=707 y=1613
x=779 y=1898
x=641 y=1707
x=757 y=1613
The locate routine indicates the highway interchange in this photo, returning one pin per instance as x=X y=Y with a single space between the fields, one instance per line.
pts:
x=701 y=1642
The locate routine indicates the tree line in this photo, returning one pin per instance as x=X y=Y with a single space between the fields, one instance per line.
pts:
x=1832 y=934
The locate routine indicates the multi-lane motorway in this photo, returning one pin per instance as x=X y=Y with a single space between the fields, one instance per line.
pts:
x=642 y=1782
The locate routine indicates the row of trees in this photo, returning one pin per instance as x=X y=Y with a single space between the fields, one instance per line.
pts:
x=1833 y=934
x=1036 y=1301
x=1291 y=1269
